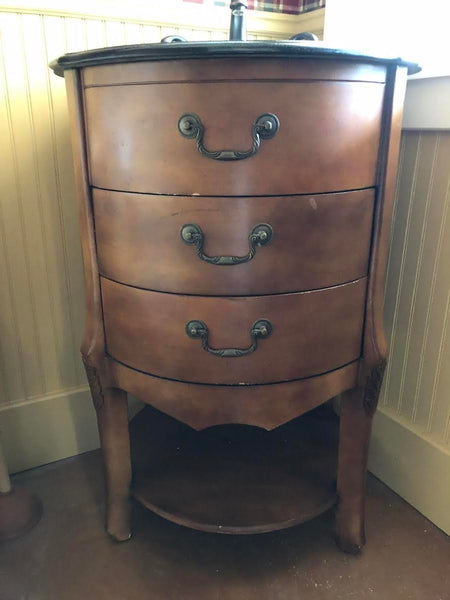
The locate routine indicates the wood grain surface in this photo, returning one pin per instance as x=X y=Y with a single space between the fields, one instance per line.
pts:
x=336 y=135
x=318 y=241
x=229 y=69
x=236 y=479
x=201 y=406
x=327 y=141
x=313 y=332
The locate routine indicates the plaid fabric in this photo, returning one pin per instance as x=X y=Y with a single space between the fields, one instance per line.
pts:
x=290 y=7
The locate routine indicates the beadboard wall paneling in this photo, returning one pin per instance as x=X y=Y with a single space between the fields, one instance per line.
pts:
x=417 y=383
x=410 y=448
x=41 y=298
x=200 y=19
x=41 y=275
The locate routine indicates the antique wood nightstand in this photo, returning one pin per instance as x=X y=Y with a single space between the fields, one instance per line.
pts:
x=235 y=203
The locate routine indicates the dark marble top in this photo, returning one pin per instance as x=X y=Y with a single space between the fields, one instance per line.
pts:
x=221 y=49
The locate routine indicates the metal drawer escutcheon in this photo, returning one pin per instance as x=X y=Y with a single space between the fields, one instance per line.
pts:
x=265 y=127
x=261 y=329
x=259 y=236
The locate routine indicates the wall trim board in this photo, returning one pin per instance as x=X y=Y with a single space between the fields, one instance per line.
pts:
x=44 y=429
x=48 y=428
x=170 y=14
x=427 y=104
x=413 y=465
x=411 y=445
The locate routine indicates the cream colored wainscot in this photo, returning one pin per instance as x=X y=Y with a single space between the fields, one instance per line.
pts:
x=45 y=409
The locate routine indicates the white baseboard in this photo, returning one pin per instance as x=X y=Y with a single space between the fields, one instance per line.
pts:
x=412 y=465
x=49 y=428
x=52 y=427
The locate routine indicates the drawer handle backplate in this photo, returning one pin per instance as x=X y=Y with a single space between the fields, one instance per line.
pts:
x=261 y=329
x=264 y=128
x=260 y=235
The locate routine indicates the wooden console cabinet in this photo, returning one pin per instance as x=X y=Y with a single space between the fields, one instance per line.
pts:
x=235 y=204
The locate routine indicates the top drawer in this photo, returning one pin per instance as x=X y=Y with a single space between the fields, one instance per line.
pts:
x=327 y=139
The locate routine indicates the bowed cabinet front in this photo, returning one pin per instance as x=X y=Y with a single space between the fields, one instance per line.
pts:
x=235 y=218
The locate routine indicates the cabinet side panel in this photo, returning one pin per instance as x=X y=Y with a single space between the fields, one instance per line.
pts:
x=92 y=347
x=375 y=348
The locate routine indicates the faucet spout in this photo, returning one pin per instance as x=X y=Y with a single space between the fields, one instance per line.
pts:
x=238 y=24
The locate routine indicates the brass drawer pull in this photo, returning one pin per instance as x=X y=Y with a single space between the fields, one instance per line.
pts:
x=259 y=236
x=265 y=127
x=261 y=329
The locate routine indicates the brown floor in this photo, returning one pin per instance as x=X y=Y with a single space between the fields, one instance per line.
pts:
x=68 y=556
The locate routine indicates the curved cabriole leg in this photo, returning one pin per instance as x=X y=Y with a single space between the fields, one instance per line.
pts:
x=114 y=437
x=357 y=409
x=112 y=418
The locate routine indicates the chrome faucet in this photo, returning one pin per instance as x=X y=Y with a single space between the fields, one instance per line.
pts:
x=238 y=24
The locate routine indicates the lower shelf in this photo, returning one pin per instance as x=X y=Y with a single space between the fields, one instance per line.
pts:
x=235 y=479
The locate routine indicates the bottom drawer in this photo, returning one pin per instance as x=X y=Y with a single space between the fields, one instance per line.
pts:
x=234 y=340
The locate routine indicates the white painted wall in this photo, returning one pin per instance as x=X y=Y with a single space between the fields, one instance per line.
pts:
x=413 y=29
x=427 y=104
x=410 y=449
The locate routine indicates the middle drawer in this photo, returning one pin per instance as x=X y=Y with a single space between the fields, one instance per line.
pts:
x=238 y=246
